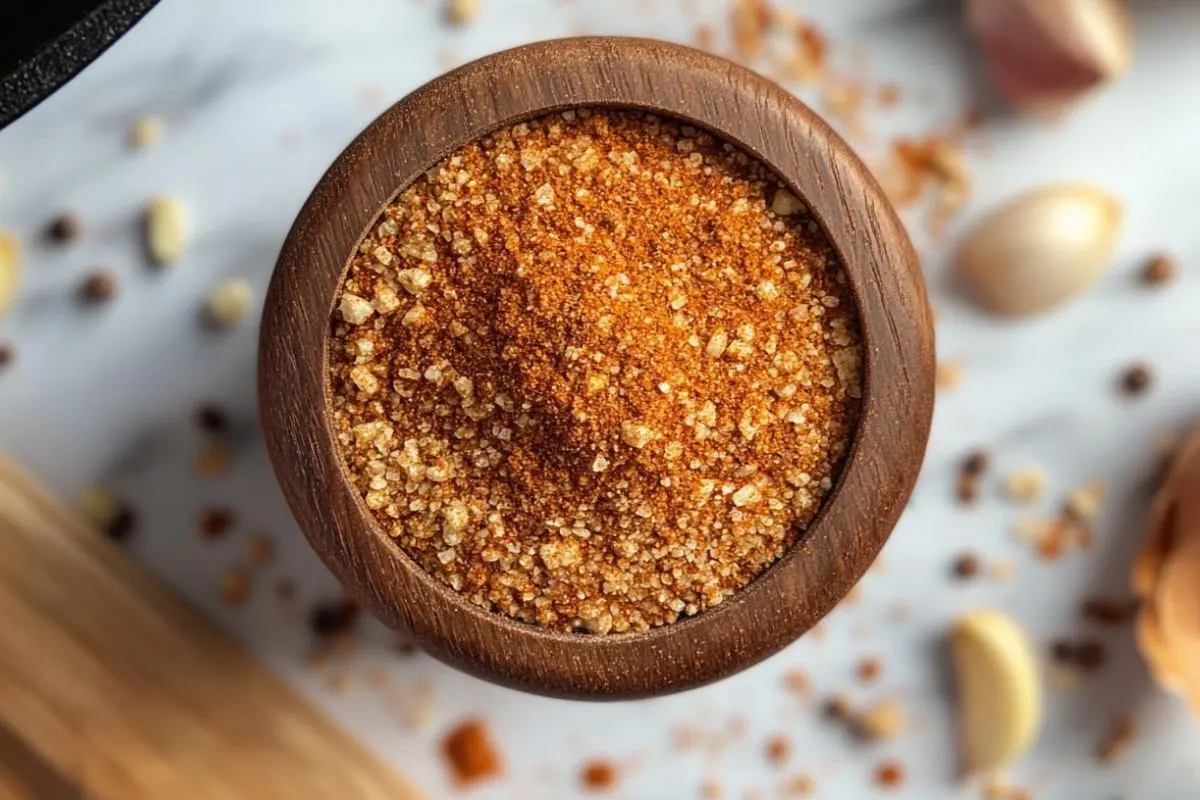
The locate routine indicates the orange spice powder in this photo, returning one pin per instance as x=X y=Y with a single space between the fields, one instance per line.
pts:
x=595 y=371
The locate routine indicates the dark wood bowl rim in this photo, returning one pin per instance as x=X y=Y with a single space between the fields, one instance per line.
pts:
x=751 y=112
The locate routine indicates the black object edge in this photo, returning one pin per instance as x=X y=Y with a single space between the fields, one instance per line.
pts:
x=66 y=54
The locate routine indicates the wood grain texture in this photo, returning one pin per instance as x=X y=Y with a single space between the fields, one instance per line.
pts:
x=501 y=90
x=112 y=689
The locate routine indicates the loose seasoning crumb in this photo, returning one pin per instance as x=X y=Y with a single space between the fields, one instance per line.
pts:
x=1025 y=485
x=869 y=669
x=599 y=776
x=839 y=708
x=798 y=683
x=712 y=789
x=98 y=288
x=228 y=303
x=261 y=551
x=966 y=566
x=8 y=354
x=64 y=229
x=1084 y=502
x=889 y=775
x=949 y=374
x=470 y=753
x=213 y=460
x=107 y=512
x=973 y=468
x=800 y=786
x=146 y=132
x=216 y=523
x=976 y=463
x=778 y=750
x=1136 y=380
x=1089 y=655
x=1108 y=611
x=331 y=618
x=235 y=587
x=1123 y=733
x=881 y=722
x=1159 y=270
x=523 y=390
x=285 y=590
x=212 y=419
x=462 y=12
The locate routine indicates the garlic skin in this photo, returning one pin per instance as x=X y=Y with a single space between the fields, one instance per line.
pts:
x=1040 y=249
x=1044 y=55
x=1167 y=577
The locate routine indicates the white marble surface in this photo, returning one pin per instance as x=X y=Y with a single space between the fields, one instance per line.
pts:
x=258 y=97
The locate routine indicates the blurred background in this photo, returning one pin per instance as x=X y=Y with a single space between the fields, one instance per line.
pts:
x=130 y=387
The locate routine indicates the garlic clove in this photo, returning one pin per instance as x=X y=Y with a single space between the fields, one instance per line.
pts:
x=10 y=270
x=1045 y=54
x=1040 y=249
x=999 y=693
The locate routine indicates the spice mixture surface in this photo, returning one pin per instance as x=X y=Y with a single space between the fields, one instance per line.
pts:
x=595 y=371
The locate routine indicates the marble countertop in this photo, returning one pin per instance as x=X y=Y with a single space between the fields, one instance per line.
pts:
x=257 y=99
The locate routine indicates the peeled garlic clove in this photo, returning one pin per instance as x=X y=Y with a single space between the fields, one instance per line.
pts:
x=10 y=269
x=1045 y=54
x=999 y=694
x=1040 y=249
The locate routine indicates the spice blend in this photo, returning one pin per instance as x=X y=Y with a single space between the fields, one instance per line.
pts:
x=595 y=371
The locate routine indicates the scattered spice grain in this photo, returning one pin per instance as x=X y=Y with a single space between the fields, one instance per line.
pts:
x=107 y=512
x=778 y=750
x=798 y=683
x=889 y=775
x=98 y=288
x=1122 y=735
x=212 y=419
x=333 y=617
x=800 y=786
x=8 y=354
x=1088 y=655
x=1108 y=611
x=285 y=590
x=1159 y=270
x=1136 y=380
x=260 y=550
x=883 y=721
x=463 y=12
x=216 y=523
x=974 y=467
x=839 y=708
x=869 y=669
x=966 y=566
x=470 y=753
x=595 y=371
x=64 y=229
x=599 y=775
x=145 y=132
x=235 y=587
x=213 y=460
x=1026 y=484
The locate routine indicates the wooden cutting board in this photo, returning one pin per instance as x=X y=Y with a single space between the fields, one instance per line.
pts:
x=111 y=688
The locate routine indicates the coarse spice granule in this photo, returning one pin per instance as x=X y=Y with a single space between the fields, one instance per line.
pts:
x=595 y=371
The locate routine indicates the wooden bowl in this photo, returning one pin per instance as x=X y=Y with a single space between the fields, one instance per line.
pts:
x=735 y=104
